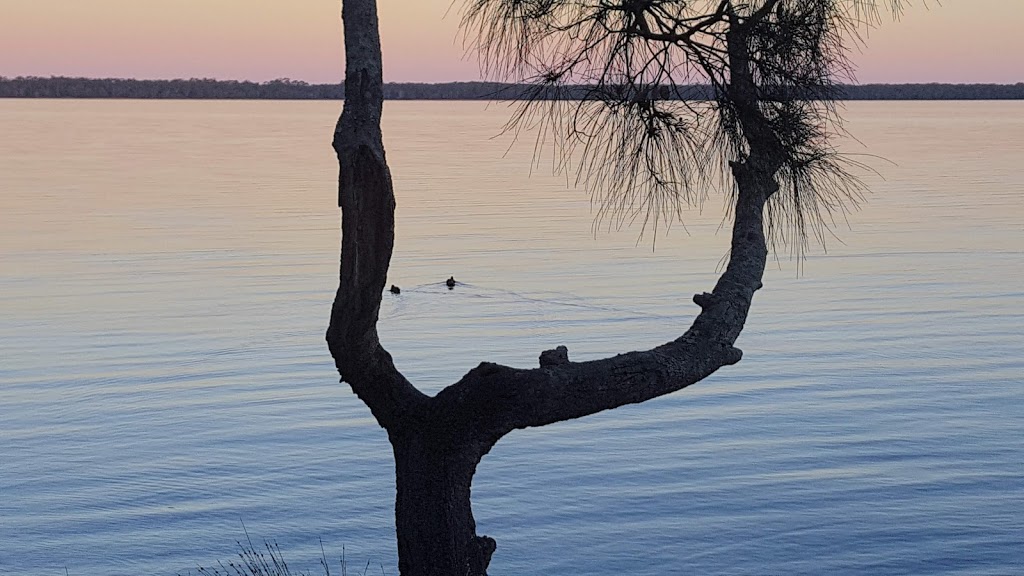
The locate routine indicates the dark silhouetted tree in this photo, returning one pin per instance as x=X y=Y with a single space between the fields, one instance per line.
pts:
x=608 y=81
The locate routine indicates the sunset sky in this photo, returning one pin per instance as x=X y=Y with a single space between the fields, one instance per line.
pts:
x=959 y=41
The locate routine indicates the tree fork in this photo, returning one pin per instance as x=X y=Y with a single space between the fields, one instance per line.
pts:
x=438 y=442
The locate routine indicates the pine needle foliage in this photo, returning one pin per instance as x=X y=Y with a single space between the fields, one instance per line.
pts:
x=642 y=101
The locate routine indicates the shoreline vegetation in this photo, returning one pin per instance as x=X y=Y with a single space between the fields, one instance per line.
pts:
x=287 y=89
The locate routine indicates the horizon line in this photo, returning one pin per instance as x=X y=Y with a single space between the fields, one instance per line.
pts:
x=285 y=79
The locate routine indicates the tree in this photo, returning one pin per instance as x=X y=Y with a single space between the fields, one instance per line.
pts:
x=610 y=81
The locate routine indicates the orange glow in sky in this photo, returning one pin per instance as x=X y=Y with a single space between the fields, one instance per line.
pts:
x=960 y=41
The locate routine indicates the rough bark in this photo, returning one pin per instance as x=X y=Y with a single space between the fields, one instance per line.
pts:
x=367 y=201
x=435 y=526
x=434 y=517
x=438 y=442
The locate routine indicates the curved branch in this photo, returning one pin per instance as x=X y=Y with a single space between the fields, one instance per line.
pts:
x=497 y=399
x=367 y=202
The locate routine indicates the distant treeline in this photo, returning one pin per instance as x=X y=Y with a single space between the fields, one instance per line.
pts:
x=285 y=89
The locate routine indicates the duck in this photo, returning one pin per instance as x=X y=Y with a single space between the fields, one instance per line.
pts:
x=395 y=289
x=450 y=282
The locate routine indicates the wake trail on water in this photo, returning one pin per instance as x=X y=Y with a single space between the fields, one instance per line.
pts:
x=559 y=299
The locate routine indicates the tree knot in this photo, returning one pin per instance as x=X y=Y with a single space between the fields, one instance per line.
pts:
x=704 y=299
x=732 y=355
x=480 y=557
x=554 y=357
x=487 y=370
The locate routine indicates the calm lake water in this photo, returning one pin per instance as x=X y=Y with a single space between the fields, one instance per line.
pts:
x=166 y=273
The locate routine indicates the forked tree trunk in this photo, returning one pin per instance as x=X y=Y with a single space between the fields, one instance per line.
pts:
x=439 y=441
x=435 y=459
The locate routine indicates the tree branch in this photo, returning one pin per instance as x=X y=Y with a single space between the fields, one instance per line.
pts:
x=367 y=201
x=496 y=399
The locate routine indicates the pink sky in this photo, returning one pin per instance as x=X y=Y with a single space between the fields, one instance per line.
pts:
x=959 y=41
